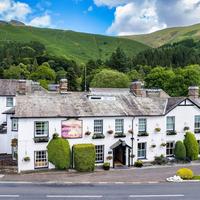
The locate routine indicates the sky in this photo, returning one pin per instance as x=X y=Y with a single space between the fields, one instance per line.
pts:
x=108 y=17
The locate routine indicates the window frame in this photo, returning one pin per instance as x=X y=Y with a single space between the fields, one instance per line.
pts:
x=101 y=153
x=119 y=126
x=96 y=126
x=142 y=150
x=41 y=135
x=12 y=124
x=167 y=124
x=170 y=148
x=35 y=158
x=196 y=129
x=139 y=126
x=8 y=102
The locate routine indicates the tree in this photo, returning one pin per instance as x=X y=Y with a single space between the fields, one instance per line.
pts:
x=180 y=151
x=108 y=78
x=191 y=145
x=59 y=152
x=159 y=77
x=119 y=61
x=17 y=72
x=44 y=72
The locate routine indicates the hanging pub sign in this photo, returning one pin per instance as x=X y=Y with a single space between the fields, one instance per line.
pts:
x=71 y=128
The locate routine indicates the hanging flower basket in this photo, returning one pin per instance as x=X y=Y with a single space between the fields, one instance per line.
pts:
x=130 y=131
x=157 y=129
x=110 y=131
x=26 y=159
x=153 y=146
x=87 y=133
x=163 y=145
x=109 y=157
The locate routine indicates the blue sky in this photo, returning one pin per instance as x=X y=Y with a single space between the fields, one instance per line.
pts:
x=110 y=17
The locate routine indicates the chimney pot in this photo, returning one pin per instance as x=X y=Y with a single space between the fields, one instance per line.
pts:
x=193 y=91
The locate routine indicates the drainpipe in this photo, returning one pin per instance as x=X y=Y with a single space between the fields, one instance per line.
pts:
x=132 y=139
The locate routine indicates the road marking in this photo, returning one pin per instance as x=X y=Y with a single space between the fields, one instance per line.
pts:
x=119 y=182
x=8 y=196
x=156 y=195
x=74 y=196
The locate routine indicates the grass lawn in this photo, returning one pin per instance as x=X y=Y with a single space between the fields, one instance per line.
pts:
x=196 y=177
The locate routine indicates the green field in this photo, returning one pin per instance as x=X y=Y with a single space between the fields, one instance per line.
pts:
x=72 y=45
x=168 y=35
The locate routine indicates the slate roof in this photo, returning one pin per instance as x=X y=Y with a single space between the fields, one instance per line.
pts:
x=77 y=104
x=9 y=87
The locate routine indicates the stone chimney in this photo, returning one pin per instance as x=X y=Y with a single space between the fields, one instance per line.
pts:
x=22 y=87
x=63 y=86
x=136 y=88
x=193 y=91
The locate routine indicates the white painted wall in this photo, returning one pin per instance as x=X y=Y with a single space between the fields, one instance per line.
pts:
x=184 y=116
x=5 y=138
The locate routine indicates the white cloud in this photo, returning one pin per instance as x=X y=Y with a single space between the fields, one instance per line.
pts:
x=9 y=9
x=135 y=18
x=111 y=3
x=90 y=9
x=41 y=21
x=145 y=16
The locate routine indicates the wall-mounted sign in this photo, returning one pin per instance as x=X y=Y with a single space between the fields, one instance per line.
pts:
x=71 y=128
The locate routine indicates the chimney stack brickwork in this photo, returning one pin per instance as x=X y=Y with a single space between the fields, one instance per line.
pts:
x=193 y=91
x=22 y=90
x=136 y=88
x=63 y=86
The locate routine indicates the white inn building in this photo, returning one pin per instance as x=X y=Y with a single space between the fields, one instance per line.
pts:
x=125 y=125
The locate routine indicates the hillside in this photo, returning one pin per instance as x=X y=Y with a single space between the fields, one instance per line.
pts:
x=168 y=35
x=72 y=45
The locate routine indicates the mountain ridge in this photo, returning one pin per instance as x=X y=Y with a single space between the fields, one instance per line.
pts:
x=168 y=35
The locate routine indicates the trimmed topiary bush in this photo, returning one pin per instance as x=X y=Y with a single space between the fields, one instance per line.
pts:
x=84 y=157
x=59 y=153
x=180 y=151
x=185 y=173
x=191 y=145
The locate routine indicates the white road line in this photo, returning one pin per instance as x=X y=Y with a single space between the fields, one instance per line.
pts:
x=8 y=196
x=74 y=196
x=119 y=182
x=156 y=195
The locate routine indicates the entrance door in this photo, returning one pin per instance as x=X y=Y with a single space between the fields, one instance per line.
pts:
x=119 y=155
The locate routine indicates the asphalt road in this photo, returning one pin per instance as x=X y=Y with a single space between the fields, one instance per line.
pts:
x=168 y=191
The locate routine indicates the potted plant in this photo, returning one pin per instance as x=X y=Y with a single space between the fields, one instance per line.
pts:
x=106 y=166
x=87 y=133
x=14 y=142
x=110 y=131
x=138 y=163
x=26 y=158
x=157 y=129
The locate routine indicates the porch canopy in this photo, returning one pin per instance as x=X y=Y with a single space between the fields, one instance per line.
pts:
x=120 y=142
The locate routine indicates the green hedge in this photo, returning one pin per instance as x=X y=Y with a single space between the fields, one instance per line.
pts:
x=191 y=145
x=59 y=153
x=180 y=151
x=84 y=157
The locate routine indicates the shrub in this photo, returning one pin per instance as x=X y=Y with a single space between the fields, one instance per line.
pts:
x=157 y=129
x=59 y=153
x=185 y=173
x=138 y=163
x=84 y=157
x=160 y=160
x=180 y=151
x=106 y=166
x=191 y=145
